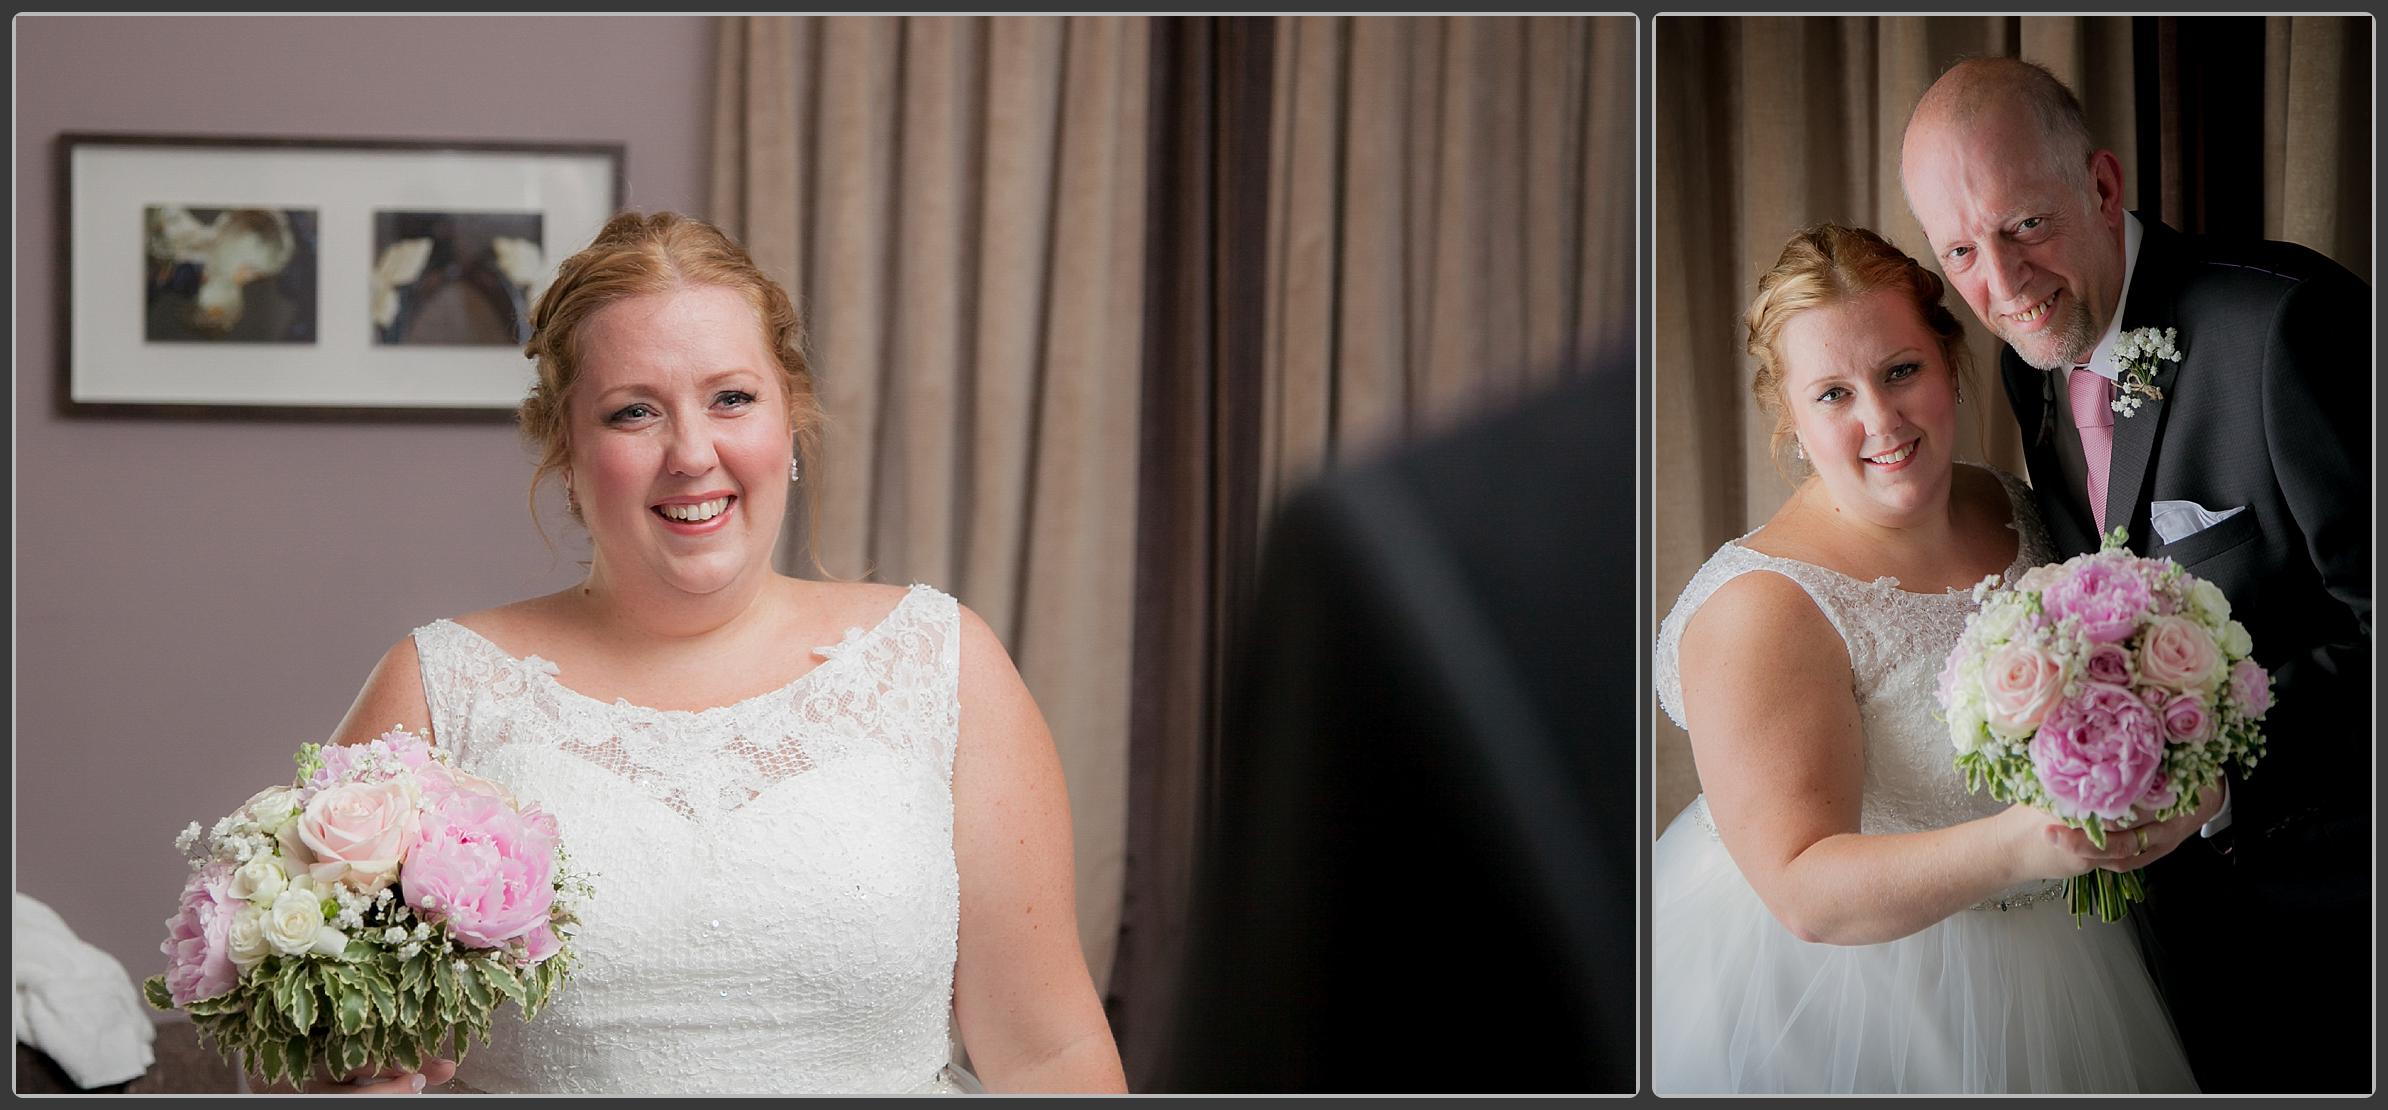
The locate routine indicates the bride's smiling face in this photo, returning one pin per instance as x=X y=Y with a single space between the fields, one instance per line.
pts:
x=680 y=439
x=1872 y=398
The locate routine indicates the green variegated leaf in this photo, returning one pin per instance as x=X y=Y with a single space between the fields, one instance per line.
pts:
x=299 y=1058
x=302 y=1007
x=349 y=1009
x=443 y=979
x=416 y=971
x=353 y=1057
x=404 y=1052
x=476 y=989
x=154 y=989
x=385 y=1000
x=502 y=979
x=270 y=1061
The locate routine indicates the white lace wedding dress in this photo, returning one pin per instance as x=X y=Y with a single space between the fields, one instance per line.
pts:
x=776 y=898
x=2007 y=996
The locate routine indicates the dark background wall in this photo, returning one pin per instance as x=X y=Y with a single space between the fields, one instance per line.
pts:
x=198 y=597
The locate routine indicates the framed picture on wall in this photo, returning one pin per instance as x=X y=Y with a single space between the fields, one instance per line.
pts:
x=282 y=276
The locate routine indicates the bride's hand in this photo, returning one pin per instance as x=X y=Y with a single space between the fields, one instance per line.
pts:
x=2050 y=849
x=2131 y=847
x=389 y=1081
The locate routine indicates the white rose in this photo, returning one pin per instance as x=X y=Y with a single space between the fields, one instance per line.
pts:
x=1966 y=724
x=2235 y=641
x=2207 y=601
x=245 y=940
x=293 y=921
x=330 y=942
x=260 y=880
x=271 y=809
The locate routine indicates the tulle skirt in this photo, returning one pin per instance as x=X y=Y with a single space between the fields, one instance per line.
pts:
x=2015 y=1000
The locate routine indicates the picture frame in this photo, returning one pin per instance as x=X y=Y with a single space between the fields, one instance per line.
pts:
x=312 y=277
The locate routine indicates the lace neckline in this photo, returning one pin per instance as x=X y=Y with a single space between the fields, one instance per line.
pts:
x=856 y=636
x=1890 y=582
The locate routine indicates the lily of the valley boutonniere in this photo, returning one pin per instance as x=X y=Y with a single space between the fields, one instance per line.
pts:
x=2136 y=356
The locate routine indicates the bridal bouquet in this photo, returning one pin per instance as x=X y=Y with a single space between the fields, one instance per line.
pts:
x=2107 y=688
x=359 y=916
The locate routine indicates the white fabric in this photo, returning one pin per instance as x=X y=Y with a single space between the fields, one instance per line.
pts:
x=1989 y=999
x=776 y=897
x=2175 y=521
x=75 y=1002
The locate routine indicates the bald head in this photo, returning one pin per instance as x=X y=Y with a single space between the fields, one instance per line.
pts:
x=2024 y=213
x=1976 y=92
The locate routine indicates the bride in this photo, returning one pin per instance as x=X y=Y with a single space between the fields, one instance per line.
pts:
x=1836 y=913
x=825 y=822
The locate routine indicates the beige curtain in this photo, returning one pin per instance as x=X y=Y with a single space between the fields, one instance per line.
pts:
x=958 y=206
x=2317 y=135
x=1767 y=124
x=1451 y=223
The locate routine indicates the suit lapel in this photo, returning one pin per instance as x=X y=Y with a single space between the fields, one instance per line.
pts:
x=2149 y=306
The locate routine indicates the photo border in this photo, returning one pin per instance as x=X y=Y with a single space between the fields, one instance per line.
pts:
x=343 y=374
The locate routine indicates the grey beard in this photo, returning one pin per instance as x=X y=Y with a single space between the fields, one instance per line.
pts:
x=2076 y=341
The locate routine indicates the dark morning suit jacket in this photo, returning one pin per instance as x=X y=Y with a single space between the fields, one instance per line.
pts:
x=2270 y=409
x=1419 y=874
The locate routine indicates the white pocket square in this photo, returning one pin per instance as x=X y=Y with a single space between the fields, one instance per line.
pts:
x=2175 y=521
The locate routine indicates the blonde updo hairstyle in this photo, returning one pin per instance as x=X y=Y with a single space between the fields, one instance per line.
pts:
x=634 y=255
x=1827 y=264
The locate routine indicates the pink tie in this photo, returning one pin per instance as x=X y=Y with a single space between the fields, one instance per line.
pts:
x=2093 y=415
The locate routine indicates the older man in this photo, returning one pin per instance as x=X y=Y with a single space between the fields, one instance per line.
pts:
x=2245 y=461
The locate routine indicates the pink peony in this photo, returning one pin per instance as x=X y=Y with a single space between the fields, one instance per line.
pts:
x=2097 y=754
x=2186 y=718
x=197 y=948
x=481 y=869
x=358 y=833
x=2179 y=654
x=2019 y=684
x=2107 y=599
x=2108 y=663
x=539 y=944
x=2251 y=688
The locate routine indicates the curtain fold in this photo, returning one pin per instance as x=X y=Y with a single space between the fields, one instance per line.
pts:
x=1764 y=125
x=1364 y=230
x=958 y=206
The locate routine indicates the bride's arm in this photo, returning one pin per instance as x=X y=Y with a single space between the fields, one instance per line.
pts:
x=1022 y=996
x=391 y=698
x=1780 y=748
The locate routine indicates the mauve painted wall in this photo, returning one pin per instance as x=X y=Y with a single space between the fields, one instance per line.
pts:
x=196 y=598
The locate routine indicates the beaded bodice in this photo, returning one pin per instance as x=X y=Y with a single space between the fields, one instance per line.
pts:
x=1897 y=643
x=776 y=899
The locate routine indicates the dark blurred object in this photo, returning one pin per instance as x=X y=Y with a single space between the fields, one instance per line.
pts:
x=1419 y=875
x=184 y=1066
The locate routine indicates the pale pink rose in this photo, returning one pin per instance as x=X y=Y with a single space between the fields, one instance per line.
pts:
x=2019 y=685
x=541 y=820
x=2178 y=653
x=539 y=944
x=439 y=783
x=2160 y=793
x=2251 y=688
x=2039 y=578
x=2107 y=663
x=198 y=945
x=2106 y=598
x=2186 y=718
x=358 y=833
x=482 y=870
x=1946 y=688
x=2098 y=753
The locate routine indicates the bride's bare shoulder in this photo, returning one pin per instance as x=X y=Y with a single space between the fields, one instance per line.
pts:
x=837 y=606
